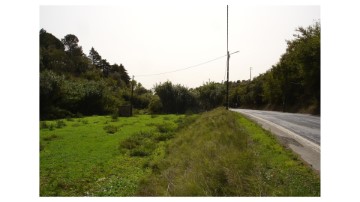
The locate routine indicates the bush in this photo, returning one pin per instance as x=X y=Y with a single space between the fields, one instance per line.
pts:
x=79 y=115
x=60 y=124
x=51 y=127
x=111 y=129
x=165 y=128
x=155 y=105
x=140 y=144
x=50 y=138
x=69 y=119
x=175 y=98
x=42 y=146
x=114 y=116
x=43 y=125
x=139 y=152
x=129 y=144
x=163 y=136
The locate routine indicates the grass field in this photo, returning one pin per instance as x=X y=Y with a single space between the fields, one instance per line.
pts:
x=216 y=153
x=225 y=154
x=88 y=157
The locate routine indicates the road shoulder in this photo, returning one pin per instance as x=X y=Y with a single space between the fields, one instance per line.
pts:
x=307 y=150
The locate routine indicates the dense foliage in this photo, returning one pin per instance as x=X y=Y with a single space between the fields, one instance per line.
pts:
x=293 y=84
x=72 y=83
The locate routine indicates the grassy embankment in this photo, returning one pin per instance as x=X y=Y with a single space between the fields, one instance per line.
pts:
x=224 y=154
x=214 y=154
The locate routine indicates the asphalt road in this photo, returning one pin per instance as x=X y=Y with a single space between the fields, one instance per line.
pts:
x=300 y=132
x=304 y=125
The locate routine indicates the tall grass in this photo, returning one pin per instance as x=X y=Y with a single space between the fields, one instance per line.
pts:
x=218 y=155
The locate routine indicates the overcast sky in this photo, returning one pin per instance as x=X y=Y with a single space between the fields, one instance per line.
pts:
x=151 y=39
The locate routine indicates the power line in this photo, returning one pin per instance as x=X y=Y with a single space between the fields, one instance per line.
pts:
x=182 y=69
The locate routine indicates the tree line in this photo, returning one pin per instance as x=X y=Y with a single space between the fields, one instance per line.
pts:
x=293 y=84
x=72 y=83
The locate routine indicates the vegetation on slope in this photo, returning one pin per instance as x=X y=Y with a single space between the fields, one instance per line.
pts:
x=224 y=154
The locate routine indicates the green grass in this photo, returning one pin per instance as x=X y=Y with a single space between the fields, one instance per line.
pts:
x=84 y=156
x=217 y=153
x=224 y=154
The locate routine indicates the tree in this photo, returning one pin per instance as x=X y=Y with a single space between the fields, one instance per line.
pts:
x=70 y=42
x=124 y=75
x=52 y=55
x=105 y=67
x=294 y=82
x=118 y=72
x=50 y=93
x=155 y=105
x=94 y=57
x=69 y=83
x=306 y=47
x=49 y=41
x=175 y=98
x=211 y=95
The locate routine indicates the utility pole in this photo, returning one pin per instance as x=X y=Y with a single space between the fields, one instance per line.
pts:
x=131 y=98
x=250 y=73
x=228 y=56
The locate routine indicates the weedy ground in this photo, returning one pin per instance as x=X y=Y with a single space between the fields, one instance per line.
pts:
x=216 y=153
x=101 y=155
x=224 y=154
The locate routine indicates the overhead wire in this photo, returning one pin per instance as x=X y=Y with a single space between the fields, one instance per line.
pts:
x=182 y=69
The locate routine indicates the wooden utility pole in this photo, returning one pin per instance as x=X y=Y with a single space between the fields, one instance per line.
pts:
x=131 y=98
x=228 y=56
x=250 y=73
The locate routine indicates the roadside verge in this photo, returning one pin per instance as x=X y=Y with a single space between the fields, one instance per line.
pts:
x=307 y=150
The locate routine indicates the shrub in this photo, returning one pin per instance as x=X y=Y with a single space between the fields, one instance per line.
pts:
x=42 y=146
x=114 y=116
x=75 y=125
x=139 y=152
x=111 y=129
x=155 y=105
x=79 y=115
x=166 y=127
x=43 y=125
x=69 y=118
x=60 y=124
x=163 y=136
x=51 y=127
x=129 y=143
x=50 y=138
x=140 y=144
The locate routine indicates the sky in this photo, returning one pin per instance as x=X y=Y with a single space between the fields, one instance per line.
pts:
x=153 y=39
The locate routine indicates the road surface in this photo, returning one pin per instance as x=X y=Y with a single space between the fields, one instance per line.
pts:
x=299 y=132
